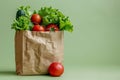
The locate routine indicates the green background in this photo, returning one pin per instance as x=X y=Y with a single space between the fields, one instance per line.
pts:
x=92 y=51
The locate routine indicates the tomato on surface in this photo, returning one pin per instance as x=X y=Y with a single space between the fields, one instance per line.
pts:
x=38 y=28
x=36 y=19
x=52 y=27
x=56 y=69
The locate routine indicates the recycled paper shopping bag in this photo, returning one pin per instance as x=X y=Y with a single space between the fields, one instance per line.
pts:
x=35 y=51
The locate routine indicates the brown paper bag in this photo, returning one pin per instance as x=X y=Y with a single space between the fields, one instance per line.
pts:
x=35 y=51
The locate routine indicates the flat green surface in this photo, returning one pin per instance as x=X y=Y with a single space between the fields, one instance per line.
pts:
x=92 y=51
x=71 y=73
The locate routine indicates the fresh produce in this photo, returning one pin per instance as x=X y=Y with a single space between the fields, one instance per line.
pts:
x=56 y=69
x=20 y=13
x=36 y=19
x=38 y=28
x=52 y=27
x=50 y=15
x=52 y=20
x=22 y=23
x=23 y=11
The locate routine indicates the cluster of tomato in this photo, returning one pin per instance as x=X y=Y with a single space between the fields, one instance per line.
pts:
x=36 y=20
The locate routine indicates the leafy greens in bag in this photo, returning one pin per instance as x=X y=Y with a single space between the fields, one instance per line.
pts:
x=48 y=15
x=51 y=15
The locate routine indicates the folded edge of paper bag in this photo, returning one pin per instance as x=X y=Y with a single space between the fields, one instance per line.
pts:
x=18 y=51
x=35 y=51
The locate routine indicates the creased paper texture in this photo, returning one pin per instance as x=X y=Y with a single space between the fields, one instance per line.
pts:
x=35 y=51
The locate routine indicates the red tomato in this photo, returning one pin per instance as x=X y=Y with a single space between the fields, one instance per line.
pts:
x=52 y=27
x=56 y=69
x=38 y=28
x=36 y=19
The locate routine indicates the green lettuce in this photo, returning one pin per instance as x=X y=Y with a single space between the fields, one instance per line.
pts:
x=22 y=23
x=50 y=15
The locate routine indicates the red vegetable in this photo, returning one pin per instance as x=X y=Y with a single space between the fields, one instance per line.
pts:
x=38 y=28
x=36 y=19
x=52 y=27
x=56 y=69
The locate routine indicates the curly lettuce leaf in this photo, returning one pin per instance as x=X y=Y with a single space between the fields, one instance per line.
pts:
x=50 y=15
x=21 y=24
